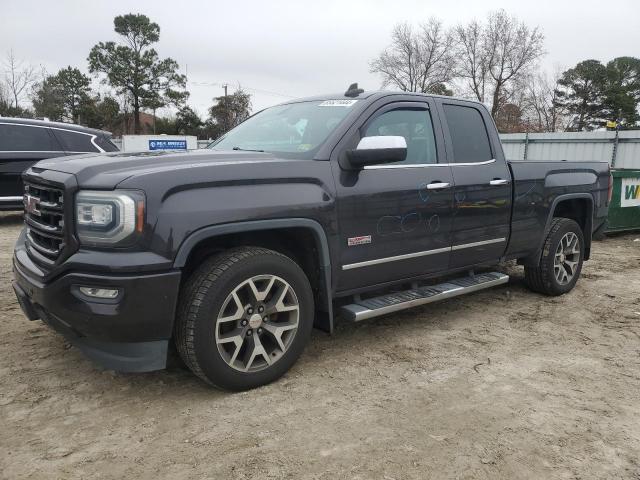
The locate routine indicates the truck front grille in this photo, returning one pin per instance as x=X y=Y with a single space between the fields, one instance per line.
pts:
x=44 y=218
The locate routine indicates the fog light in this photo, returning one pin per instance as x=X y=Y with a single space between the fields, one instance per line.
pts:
x=100 y=292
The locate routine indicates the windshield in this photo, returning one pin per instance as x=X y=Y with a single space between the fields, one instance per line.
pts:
x=295 y=130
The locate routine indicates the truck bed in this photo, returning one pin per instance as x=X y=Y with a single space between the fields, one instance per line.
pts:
x=537 y=185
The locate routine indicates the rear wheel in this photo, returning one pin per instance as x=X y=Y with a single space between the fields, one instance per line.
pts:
x=244 y=318
x=561 y=260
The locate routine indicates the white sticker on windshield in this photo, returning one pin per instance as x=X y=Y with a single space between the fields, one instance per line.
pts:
x=337 y=103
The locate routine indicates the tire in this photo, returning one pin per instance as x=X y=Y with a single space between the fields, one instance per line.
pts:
x=547 y=277
x=219 y=333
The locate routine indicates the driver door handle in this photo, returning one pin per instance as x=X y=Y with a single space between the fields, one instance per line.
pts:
x=498 y=181
x=438 y=185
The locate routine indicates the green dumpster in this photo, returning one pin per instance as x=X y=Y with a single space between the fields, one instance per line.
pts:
x=624 y=210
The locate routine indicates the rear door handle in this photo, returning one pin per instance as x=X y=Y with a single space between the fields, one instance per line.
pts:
x=438 y=185
x=498 y=181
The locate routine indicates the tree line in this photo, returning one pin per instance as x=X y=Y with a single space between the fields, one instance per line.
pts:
x=137 y=79
x=496 y=61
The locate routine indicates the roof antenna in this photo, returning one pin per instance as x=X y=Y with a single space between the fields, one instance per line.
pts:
x=353 y=90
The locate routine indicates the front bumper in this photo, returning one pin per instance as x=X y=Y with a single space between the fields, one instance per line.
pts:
x=129 y=333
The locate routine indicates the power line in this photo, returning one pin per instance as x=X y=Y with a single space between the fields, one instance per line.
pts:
x=244 y=87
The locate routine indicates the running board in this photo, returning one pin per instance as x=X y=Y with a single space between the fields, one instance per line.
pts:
x=393 y=302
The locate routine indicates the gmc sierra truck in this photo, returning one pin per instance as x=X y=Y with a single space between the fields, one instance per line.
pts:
x=358 y=204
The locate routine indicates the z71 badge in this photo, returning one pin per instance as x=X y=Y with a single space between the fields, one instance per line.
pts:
x=352 y=241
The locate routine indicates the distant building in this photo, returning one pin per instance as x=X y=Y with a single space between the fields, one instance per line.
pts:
x=147 y=122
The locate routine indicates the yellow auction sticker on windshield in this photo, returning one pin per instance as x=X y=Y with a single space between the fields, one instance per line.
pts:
x=337 y=103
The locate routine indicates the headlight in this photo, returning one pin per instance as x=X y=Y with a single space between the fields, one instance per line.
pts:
x=109 y=218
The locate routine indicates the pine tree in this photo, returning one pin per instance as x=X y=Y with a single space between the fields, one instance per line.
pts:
x=134 y=69
x=582 y=92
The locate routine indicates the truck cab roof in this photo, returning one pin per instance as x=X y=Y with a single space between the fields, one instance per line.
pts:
x=372 y=95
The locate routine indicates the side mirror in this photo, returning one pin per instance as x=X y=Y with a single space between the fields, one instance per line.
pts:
x=378 y=150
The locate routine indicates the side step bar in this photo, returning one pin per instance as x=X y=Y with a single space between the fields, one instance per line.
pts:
x=393 y=302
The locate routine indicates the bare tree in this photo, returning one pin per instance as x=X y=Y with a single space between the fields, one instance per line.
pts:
x=18 y=77
x=5 y=100
x=512 y=115
x=495 y=55
x=473 y=58
x=544 y=112
x=417 y=61
x=533 y=105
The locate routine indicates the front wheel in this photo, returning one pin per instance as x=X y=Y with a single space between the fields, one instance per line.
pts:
x=244 y=318
x=561 y=260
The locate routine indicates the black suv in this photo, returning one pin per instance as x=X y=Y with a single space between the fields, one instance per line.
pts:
x=24 y=142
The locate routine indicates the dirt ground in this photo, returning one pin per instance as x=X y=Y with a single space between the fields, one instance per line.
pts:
x=501 y=384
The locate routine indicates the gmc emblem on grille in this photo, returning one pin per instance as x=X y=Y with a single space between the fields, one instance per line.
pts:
x=31 y=205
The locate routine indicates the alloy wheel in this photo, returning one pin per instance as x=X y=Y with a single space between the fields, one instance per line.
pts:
x=567 y=258
x=257 y=323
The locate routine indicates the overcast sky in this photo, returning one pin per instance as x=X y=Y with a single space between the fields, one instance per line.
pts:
x=293 y=48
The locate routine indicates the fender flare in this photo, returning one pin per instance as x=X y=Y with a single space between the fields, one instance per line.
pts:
x=324 y=317
x=588 y=223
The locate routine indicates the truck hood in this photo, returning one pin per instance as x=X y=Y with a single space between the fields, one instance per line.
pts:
x=107 y=170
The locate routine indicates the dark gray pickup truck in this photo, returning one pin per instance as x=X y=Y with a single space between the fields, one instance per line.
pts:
x=358 y=203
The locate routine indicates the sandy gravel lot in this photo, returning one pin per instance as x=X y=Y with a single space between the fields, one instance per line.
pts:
x=501 y=384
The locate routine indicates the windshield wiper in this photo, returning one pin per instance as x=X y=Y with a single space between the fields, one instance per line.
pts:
x=247 y=149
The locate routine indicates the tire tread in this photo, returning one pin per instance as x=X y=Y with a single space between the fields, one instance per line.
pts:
x=193 y=292
x=538 y=277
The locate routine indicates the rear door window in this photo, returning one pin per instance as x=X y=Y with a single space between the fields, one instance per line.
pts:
x=26 y=138
x=468 y=134
x=73 y=142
